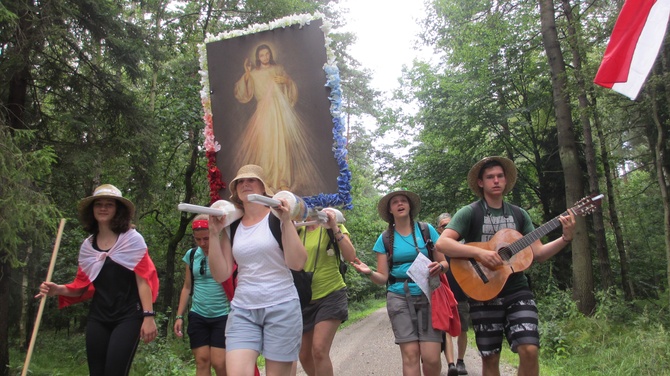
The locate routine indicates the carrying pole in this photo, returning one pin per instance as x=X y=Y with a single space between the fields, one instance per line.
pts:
x=52 y=264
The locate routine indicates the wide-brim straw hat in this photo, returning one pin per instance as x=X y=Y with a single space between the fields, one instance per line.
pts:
x=105 y=191
x=508 y=167
x=248 y=172
x=383 y=205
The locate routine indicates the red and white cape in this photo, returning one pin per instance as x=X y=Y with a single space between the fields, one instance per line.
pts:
x=130 y=251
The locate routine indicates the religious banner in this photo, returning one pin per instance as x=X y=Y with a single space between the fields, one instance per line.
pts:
x=271 y=96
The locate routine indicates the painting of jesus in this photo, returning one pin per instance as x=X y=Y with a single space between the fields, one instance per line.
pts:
x=270 y=107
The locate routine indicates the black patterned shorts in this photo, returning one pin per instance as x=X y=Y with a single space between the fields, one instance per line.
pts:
x=515 y=316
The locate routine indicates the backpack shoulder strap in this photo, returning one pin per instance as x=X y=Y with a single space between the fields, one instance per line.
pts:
x=233 y=278
x=275 y=228
x=425 y=232
x=386 y=238
x=191 y=257
x=233 y=229
x=519 y=218
x=476 y=221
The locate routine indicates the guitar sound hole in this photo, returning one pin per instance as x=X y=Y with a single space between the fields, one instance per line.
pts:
x=505 y=254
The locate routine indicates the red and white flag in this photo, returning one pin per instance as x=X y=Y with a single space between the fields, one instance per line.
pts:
x=633 y=46
x=129 y=251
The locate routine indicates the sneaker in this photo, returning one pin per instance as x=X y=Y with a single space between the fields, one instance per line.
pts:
x=453 y=371
x=460 y=366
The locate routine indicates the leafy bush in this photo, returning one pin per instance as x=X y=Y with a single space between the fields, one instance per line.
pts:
x=612 y=306
x=53 y=354
x=619 y=339
x=164 y=356
x=556 y=309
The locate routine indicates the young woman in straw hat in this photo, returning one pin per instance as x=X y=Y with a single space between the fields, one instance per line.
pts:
x=408 y=308
x=115 y=270
x=265 y=311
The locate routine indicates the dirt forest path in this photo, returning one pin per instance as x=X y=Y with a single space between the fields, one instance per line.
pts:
x=367 y=348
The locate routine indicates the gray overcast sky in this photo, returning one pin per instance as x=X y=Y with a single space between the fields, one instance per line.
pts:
x=387 y=34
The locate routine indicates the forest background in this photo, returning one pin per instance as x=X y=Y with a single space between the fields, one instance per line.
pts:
x=107 y=91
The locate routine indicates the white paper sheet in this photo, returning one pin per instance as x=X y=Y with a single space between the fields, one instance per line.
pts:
x=419 y=272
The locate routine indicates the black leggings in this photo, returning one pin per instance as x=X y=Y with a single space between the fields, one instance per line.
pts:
x=110 y=347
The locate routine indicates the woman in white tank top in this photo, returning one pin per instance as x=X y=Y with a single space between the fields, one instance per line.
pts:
x=265 y=312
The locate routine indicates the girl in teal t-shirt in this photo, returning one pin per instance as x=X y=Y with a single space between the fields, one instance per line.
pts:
x=408 y=307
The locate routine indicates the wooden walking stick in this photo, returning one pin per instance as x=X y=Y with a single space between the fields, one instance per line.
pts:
x=52 y=264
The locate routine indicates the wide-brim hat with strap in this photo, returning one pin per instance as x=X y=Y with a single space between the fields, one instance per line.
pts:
x=248 y=172
x=508 y=167
x=383 y=205
x=105 y=191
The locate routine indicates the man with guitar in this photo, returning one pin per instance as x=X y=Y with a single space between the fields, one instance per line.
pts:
x=491 y=271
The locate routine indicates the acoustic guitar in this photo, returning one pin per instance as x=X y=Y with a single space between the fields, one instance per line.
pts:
x=481 y=283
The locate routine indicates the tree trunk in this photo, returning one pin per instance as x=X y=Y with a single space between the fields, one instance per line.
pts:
x=20 y=53
x=589 y=149
x=184 y=220
x=25 y=300
x=664 y=169
x=4 y=316
x=662 y=173
x=581 y=256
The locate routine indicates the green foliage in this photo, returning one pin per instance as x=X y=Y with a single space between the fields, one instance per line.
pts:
x=6 y=16
x=619 y=339
x=164 y=356
x=479 y=100
x=26 y=213
x=364 y=227
x=638 y=208
x=49 y=357
x=161 y=357
x=556 y=308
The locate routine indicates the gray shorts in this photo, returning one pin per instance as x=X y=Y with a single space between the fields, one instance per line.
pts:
x=334 y=306
x=464 y=315
x=275 y=332
x=404 y=327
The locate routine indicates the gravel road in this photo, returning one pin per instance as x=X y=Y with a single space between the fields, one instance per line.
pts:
x=367 y=348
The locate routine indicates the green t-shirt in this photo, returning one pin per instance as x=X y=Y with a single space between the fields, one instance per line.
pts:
x=209 y=298
x=327 y=277
x=494 y=221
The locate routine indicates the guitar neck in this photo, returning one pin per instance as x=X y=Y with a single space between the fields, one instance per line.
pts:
x=534 y=235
